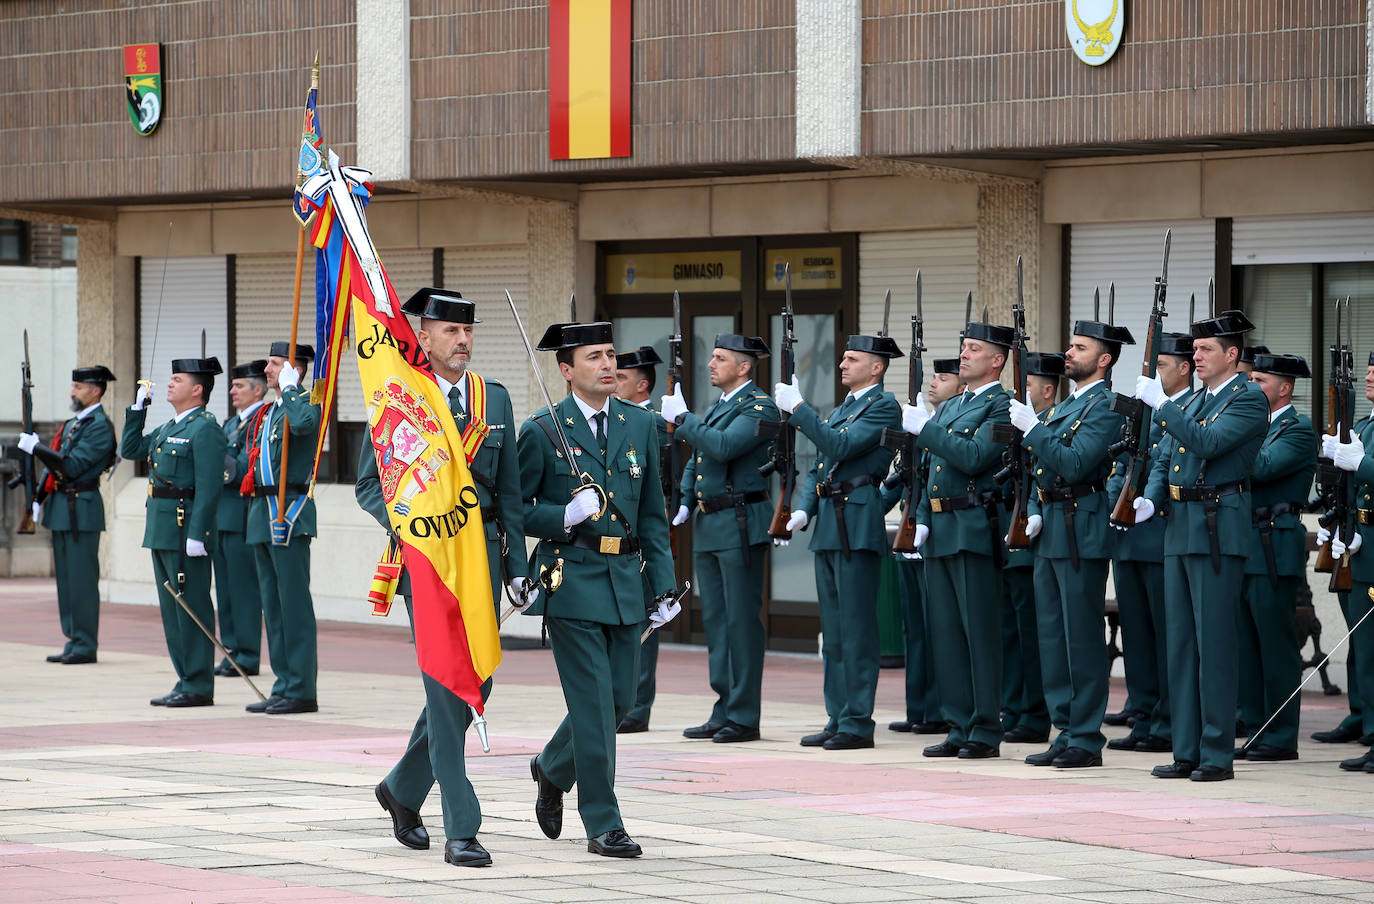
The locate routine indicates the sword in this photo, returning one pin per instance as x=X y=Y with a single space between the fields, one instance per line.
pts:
x=152 y=349
x=549 y=578
x=176 y=595
x=887 y=308
x=681 y=595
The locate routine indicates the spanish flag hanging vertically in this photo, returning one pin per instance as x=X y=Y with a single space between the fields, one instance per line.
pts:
x=589 y=79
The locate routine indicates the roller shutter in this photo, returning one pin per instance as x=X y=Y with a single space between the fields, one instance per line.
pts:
x=193 y=295
x=483 y=275
x=1318 y=239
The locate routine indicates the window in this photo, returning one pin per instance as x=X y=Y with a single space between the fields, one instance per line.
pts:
x=69 y=245
x=13 y=241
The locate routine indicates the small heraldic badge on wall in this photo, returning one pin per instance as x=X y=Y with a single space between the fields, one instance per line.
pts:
x=143 y=85
x=1095 y=28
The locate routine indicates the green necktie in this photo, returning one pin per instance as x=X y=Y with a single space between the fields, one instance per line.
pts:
x=455 y=403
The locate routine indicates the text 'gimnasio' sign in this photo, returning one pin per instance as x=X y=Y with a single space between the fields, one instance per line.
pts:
x=683 y=271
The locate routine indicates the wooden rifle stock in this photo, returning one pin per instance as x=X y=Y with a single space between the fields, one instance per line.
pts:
x=906 y=531
x=782 y=513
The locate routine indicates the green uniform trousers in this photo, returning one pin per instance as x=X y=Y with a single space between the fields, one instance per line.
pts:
x=647 y=685
x=239 y=600
x=1200 y=615
x=964 y=609
x=1269 y=663
x=193 y=655
x=1352 y=675
x=848 y=594
x=289 y=612
x=922 y=701
x=1362 y=650
x=76 y=560
x=1023 y=690
x=1073 y=652
x=730 y=588
x=597 y=664
x=1140 y=614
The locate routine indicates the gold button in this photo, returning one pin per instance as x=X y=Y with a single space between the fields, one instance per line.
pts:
x=698 y=477
x=611 y=495
x=1181 y=449
x=937 y=468
x=698 y=494
x=1039 y=471
x=934 y=489
x=1175 y=467
x=159 y=448
x=613 y=517
x=557 y=551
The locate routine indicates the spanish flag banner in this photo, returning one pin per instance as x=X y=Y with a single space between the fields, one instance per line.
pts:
x=429 y=491
x=589 y=79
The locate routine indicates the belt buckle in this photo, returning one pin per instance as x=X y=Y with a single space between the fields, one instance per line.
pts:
x=701 y=507
x=610 y=546
x=937 y=505
x=1175 y=492
x=1043 y=496
x=150 y=491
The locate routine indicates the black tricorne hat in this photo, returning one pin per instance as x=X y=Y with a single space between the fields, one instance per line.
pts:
x=1248 y=353
x=748 y=345
x=1227 y=323
x=644 y=356
x=281 y=349
x=200 y=366
x=882 y=346
x=1104 y=332
x=945 y=366
x=571 y=335
x=1282 y=365
x=98 y=373
x=996 y=334
x=256 y=368
x=1180 y=345
x=1045 y=364
x=441 y=304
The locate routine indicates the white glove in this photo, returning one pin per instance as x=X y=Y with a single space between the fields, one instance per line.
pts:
x=36 y=508
x=582 y=507
x=914 y=556
x=1034 y=524
x=667 y=611
x=1022 y=415
x=1150 y=391
x=673 y=406
x=27 y=441
x=788 y=395
x=1323 y=536
x=1337 y=547
x=194 y=548
x=1144 y=509
x=1349 y=455
x=1329 y=442
x=522 y=592
x=289 y=378
x=1355 y=544
x=683 y=513
x=915 y=417
x=798 y=521
x=920 y=536
x=143 y=396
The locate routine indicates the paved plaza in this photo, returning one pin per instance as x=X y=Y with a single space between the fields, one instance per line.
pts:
x=106 y=799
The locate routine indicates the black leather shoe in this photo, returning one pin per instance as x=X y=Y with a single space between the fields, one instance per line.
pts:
x=614 y=843
x=225 y=670
x=406 y=824
x=184 y=699
x=56 y=657
x=929 y=727
x=548 y=802
x=1268 y=753
x=261 y=705
x=1046 y=757
x=703 y=731
x=844 y=740
x=465 y=852
x=1369 y=767
x=1126 y=743
x=1124 y=717
x=1358 y=763
x=1154 y=744
x=1240 y=753
x=1076 y=758
x=899 y=726
x=287 y=706
x=944 y=748
x=818 y=739
x=1242 y=730
x=1022 y=734
x=162 y=701
x=631 y=726
x=1176 y=769
x=977 y=750
x=1212 y=774
x=1337 y=735
x=734 y=733
x=75 y=659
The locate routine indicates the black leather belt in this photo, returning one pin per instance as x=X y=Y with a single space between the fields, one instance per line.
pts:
x=79 y=486
x=293 y=489
x=171 y=492
x=611 y=546
x=1277 y=510
x=956 y=503
x=713 y=504
x=1064 y=494
x=1206 y=494
x=829 y=490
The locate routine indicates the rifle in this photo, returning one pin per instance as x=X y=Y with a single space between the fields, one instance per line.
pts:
x=782 y=459
x=1135 y=433
x=27 y=475
x=1017 y=463
x=908 y=471
x=1338 y=489
x=670 y=465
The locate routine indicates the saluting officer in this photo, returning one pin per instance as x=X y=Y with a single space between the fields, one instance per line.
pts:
x=185 y=472
x=960 y=536
x=83 y=450
x=843 y=496
x=721 y=481
x=1204 y=474
x=634 y=381
x=1269 y=655
x=482 y=413
x=607 y=551
x=236 y=574
x=1138 y=572
x=1072 y=542
x=281 y=549
x=1025 y=718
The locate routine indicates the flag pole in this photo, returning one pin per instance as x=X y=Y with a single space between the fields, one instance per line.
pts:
x=295 y=326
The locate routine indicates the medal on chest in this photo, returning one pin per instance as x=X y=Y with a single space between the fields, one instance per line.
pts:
x=635 y=470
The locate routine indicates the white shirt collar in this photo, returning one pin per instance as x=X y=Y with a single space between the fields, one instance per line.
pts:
x=246 y=413
x=859 y=393
x=1079 y=390
x=1180 y=394
x=727 y=396
x=185 y=414
x=984 y=388
x=87 y=412
x=1274 y=415
x=588 y=411
x=644 y=404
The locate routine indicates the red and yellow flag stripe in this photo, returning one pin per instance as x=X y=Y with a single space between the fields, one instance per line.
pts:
x=589 y=79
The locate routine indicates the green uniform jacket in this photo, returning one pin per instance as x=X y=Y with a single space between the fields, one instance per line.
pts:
x=849 y=443
x=726 y=456
x=597 y=587
x=185 y=453
x=233 y=506
x=1143 y=542
x=1070 y=447
x=304 y=419
x=88 y=449
x=1283 y=473
x=1362 y=561
x=1211 y=442
x=963 y=460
